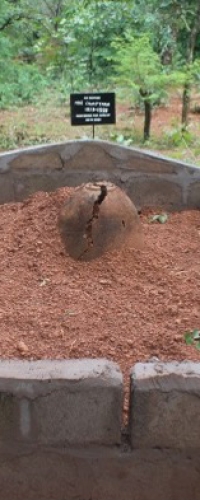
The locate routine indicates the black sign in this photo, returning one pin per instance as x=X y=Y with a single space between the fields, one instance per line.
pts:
x=92 y=109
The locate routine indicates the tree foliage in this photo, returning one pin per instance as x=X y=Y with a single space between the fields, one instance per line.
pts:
x=139 y=69
x=81 y=44
x=93 y=44
x=181 y=22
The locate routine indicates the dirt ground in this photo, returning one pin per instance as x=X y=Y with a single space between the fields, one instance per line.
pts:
x=127 y=306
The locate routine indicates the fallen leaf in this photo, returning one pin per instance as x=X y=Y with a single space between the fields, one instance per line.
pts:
x=44 y=282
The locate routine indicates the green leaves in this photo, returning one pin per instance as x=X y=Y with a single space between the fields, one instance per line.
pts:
x=161 y=218
x=192 y=337
x=136 y=61
x=138 y=68
x=81 y=46
x=96 y=43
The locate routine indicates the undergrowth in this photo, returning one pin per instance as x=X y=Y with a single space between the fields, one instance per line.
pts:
x=45 y=118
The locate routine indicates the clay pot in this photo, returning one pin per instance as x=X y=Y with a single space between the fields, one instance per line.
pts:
x=98 y=218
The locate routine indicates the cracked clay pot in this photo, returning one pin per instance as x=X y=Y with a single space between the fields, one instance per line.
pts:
x=98 y=218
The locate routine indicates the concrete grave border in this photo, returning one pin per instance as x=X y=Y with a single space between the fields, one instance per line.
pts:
x=61 y=438
x=148 y=178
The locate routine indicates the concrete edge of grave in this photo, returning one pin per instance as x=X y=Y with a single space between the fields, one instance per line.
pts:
x=16 y=373
x=61 y=402
x=71 y=147
x=167 y=375
x=165 y=405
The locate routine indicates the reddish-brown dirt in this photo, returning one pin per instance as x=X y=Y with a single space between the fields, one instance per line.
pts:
x=126 y=306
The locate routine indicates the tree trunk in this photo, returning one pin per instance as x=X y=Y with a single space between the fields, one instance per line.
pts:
x=189 y=60
x=186 y=105
x=147 y=119
x=91 y=68
x=147 y=113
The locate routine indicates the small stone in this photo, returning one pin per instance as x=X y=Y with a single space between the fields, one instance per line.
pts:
x=129 y=342
x=153 y=359
x=22 y=347
x=105 y=282
x=178 y=337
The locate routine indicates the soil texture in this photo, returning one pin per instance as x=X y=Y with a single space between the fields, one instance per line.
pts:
x=128 y=306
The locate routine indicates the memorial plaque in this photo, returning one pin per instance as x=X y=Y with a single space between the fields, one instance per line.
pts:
x=93 y=109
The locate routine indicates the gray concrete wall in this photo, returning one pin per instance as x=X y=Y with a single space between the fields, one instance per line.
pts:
x=148 y=178
x=61 y=431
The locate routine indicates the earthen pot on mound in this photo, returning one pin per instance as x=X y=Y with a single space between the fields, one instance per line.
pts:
x=96 y=218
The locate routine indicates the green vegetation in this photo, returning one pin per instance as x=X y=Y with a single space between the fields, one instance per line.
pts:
x=193 y=338
x=161 y=218
x=139 y=70
x=145 y=50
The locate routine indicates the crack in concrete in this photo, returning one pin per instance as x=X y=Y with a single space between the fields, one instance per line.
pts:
x=95 y=215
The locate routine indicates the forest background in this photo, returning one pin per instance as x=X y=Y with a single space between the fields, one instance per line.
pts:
x=147 y=51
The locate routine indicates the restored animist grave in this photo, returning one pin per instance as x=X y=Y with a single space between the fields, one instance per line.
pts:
x=61 y=428
x=96 y=218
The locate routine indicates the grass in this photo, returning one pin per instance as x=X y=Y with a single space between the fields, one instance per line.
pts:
x=48 y=120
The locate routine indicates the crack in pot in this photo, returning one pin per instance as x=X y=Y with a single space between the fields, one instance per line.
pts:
x=95 y=215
